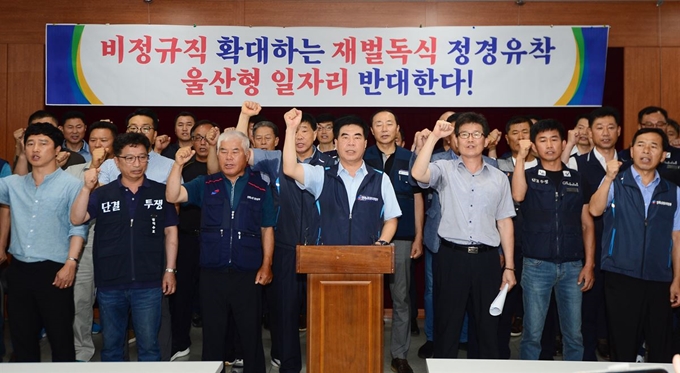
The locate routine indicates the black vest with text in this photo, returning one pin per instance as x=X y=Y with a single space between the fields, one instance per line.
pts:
x=551 y=229
x=125 y=249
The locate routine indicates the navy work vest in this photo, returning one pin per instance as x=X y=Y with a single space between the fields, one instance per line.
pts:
x=232 y=238
x=399 y=175
x=633 y=245
x=360 y=227
x=298 y=221
x=125 y=249
x=551 y=229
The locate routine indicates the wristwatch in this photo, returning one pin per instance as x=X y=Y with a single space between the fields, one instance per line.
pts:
x=383 y=242
x=171 y=270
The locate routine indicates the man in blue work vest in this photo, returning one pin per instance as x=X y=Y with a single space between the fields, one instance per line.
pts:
x=357 y=203
x=640 y=250
x=237 y=245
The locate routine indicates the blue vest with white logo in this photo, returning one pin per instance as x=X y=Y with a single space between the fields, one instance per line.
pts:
x=399 y=176
x=551 y=229
x=360 y=227
x=633 y=245
x=232 y=238
x=125 y=249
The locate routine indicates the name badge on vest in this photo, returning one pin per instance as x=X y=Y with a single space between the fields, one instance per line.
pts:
x=403 y=172
x=566 y=173
x=668 y=155
x=541 y=172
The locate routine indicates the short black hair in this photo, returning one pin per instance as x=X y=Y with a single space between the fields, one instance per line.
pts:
x=605 y=111
x=517 y=119
x=658 y=131
x=544 y=125
x=471 y=117
x=266 y=123
x=257 y=118
x=452 y=118
x=673 y=123
x=349 y=120
x=46 y=129
x=71 y=115
x=184 y=114
x=325 y=117
x=396 y=120
x=308 y=118
x=202 y=122
x=145 y=112
x=103 y=125
x=651 y=110
x=130 y=138
x=39 y=114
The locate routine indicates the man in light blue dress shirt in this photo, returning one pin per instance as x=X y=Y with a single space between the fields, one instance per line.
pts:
x=45 y=247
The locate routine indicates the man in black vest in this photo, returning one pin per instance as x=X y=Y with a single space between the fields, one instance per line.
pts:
x=134 y=251
x=557 y=237
x=386 y=156
x=641 y=250
x=237 y=245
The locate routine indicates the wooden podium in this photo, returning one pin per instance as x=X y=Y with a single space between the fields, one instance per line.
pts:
x=345 y=306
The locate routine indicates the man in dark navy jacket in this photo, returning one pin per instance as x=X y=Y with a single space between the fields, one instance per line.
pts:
x=408 y=240
x=237 y=245
x=134 y=251
x=641 y=250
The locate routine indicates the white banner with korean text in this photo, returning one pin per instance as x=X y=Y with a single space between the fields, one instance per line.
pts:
x=155 y=65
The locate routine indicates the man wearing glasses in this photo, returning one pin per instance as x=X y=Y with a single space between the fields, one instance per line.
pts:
x=324 y=133
x=656 y=117
x=476 y=218
x=145 y=121
x=142 y=121
x=135 y=248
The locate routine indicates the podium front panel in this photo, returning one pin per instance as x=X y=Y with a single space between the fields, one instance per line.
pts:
x=345 y=332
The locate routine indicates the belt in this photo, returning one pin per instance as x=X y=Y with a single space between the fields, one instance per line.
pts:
x=470 y=249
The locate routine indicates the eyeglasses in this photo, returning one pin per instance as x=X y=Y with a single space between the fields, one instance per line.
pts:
x=130 y=159
x=652 y=125
x=324 y=128
x=198 y=138
x=475 y=135
x=135 y=129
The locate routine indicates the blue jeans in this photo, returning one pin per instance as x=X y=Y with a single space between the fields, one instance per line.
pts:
x=145 y=307
x=538 y=279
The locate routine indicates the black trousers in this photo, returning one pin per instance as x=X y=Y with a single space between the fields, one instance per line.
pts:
x=33 y=303
x=181 y=303
x=235 y=291
x=460 y=278
x=594 y=322
x=638 y=310
x=285 y=310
